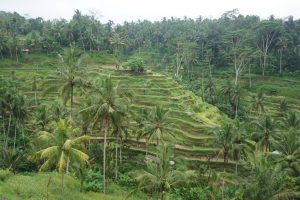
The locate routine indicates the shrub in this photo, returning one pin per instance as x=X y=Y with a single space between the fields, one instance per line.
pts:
x=4 y=174
x=135 y=64
x=126 y=180
x=93 y=181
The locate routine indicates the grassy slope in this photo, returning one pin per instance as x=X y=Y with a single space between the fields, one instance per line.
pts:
x=34 y=187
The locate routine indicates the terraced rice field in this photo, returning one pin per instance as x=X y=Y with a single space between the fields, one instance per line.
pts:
x=191 y=119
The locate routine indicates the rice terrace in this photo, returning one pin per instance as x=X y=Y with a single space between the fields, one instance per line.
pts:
x=183 y=108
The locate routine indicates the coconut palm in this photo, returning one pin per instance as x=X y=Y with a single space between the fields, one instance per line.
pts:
x=239 y=144
x=265 y=181
x=120 y=124
x=236 y=98
x=157 y=126
x=288 y=147
x=224 y=138
x=161 y=174
x=292 y=120
x=67 y=78
x=265 y=132
x=61 y=149
x=108 y=102
x=258 y=102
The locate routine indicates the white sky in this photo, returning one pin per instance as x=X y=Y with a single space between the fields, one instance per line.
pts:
x=132 y=10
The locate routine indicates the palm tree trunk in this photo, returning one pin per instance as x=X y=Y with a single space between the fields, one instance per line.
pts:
x=120 y=152
x=68 y=166
x=3 y=126
x=116 y=162
x=15 y=138
x=236 y=168
x=62 y=181
x=104 y=154
x=71 y=101
x=81 y=184
x=8 y=129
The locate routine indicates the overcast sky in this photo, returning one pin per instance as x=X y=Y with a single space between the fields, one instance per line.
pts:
x=132 y=10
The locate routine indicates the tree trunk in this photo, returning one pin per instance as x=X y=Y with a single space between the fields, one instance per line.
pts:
x=280 y=62
x=8 y=129
x=106 y=122
x=4 y=131
x=236 y=168
x=68 y=166
x=81 y=185
x=15 y=138
x=62 y=181
x=250 y=81
x=71 y=113
x=120 y=152
x=236 y=108
x=264 y=63
x=116 y=162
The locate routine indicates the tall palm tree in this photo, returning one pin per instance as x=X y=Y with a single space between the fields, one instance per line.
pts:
x=120 y=124
x=236 y=98
x=265 y=132
x=118 y=42
x=61 y=148
x=288 y=146
x=265 y=181
x=67 y=78
x=157 y=126
x=224 y=138
x=162 y=173
x=292 y=120
x=258 y=102
x=108 y=101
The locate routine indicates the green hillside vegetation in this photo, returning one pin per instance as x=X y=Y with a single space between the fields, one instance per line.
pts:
x=175 y=109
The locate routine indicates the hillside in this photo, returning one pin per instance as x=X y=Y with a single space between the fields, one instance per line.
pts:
x=190 y=118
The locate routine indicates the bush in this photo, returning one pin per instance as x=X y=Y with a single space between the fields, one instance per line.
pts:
x=135 y=64
x=126 y=180
x=93 y=181
x=191 y=193
x=4 y=174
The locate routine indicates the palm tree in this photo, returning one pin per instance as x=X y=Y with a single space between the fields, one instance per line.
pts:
x=224 y=136
x=292 y=120
x=108 y=102
x=265 y=181
x=68 y=78
x=239 y=144
x=162 y=173
x=157 y=126
x=19 y=112
x=258 y=102
x=265 y=132
x=61 y=149
x=288 y=147
x=117 y=41
x=120 y=124
x=235 y=99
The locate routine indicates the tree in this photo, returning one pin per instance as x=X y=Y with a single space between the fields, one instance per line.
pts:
x=292 y=120
x=288 y=146
x=109 y=100
x=61 y=148
x=266 y=181
x=118 y=42
x=258 y=102
x=162 y=173
x=224 y=137
x=266 y=33
x=281 y=44
x=157 y=125
x=265 y=132
x=68 y=78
